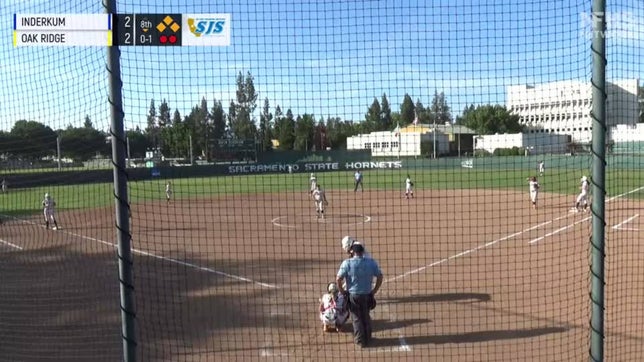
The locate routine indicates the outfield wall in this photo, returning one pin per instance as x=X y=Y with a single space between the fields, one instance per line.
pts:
x=529 y=163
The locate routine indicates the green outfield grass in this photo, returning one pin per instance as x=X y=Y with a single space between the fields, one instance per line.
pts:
x=27 y=201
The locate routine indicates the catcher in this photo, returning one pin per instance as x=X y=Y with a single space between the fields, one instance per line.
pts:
x=333 y=311
x=319 y=198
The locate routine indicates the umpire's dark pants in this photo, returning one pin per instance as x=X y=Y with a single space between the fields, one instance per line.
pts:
x=359 y=310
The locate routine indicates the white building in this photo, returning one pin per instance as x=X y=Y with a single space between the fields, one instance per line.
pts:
x=407 y=142
x=627 y=138
x=627 y=133
x=564 y=107
x=533 y=143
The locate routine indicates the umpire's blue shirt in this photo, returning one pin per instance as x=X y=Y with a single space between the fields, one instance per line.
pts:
x=359 y=273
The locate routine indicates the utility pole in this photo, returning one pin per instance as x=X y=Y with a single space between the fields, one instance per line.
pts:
x=434 y=135
x=192 y=159
x=129 y=155
x=58 y=151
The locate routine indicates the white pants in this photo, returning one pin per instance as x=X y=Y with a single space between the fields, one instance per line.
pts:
x=319 y=206
x=49 y=215
x=409 y=189
x=533 y=196
x=582 y=199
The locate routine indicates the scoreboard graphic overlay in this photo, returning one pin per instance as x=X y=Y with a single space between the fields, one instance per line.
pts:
x=121 y=30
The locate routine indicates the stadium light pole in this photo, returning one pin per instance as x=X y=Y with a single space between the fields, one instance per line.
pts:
x=123 y=236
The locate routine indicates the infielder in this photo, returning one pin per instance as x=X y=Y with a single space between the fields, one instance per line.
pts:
x=314 y=183
x=48 y=205
x=319 y=198
x=409 y=188
x=581 y=204
x=168 y=191
x=533 y=186
x=542 y=168
x=357 y=178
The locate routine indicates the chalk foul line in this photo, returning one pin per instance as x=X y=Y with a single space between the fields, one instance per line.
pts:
x=488 y=244
x=159 y=257
x=10 y=244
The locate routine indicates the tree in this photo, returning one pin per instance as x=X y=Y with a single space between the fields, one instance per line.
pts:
x=407 y=110
x=372 y=118
x=304 y=129
x=319 y=136
x=176 y=137
x=198 y=127
x=33 y=140
x=490 y=119
x=152 y=130
x=440 y=111
x=138 y=141
x=81 y=144
x=385 y=114
x=218 y=119
x=265 y=127
x=88 y=122
x=7 y=143
x=424 y=116
x=242 y=124
x=338 y=131
x=286 y=128
x=163 y=119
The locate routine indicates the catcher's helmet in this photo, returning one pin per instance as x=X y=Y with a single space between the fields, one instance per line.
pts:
x=346 y=242
x=332 y=288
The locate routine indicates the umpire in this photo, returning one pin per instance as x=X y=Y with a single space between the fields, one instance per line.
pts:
x=359 y=272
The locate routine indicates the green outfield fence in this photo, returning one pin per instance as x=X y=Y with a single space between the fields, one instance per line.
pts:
x=201 y=241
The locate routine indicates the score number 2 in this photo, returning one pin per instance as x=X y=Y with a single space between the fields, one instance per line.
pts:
x=127 y=26
x=125 y=29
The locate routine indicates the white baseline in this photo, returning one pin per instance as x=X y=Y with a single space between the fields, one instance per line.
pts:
x=164 y=258
x=483 y=246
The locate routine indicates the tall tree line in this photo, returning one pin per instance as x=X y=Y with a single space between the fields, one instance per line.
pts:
x=200 y=130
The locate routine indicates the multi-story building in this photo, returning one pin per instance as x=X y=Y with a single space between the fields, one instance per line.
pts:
x=564 y=107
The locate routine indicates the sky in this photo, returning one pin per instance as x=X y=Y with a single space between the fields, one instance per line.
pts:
x=326 y=58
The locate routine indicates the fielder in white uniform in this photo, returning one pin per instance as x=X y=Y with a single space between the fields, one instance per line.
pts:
x=314 y=183
x=534 y=190
x=581 y=204
x=409 y=188
x=48 y=205
x=319 y=198
x=168 y=191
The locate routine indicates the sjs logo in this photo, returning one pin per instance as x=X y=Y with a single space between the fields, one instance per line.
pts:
x=206 y=29
x=206 y=26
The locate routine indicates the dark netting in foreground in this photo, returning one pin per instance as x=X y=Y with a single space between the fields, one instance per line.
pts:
x=468 y=126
